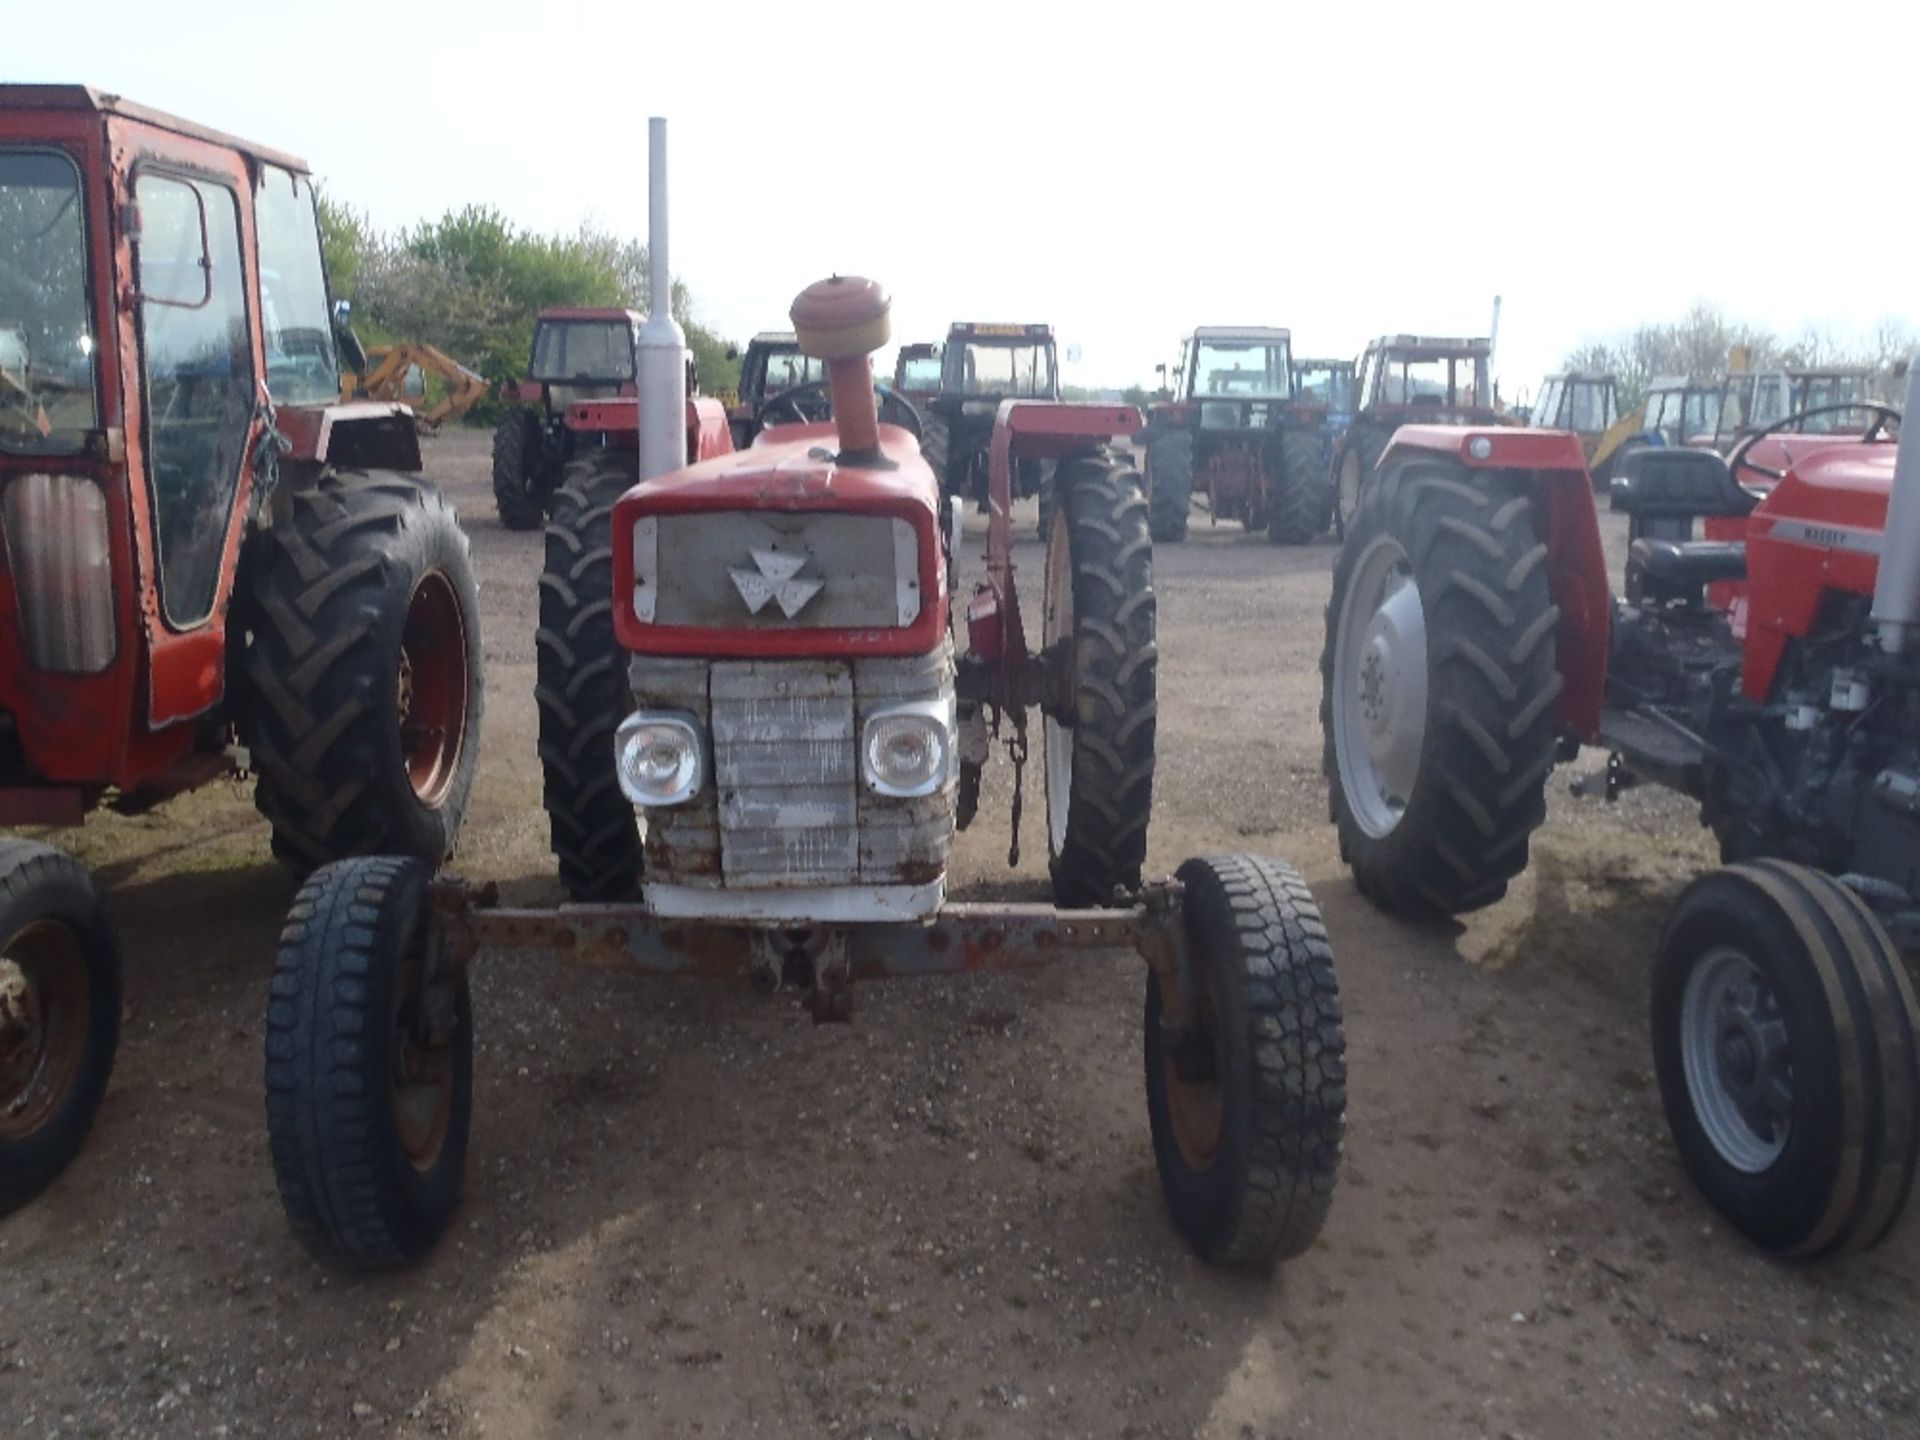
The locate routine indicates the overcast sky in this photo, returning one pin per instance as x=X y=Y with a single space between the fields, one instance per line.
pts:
x=1125 y=172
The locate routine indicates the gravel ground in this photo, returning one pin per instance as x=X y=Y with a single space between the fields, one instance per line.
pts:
x=692 y=1212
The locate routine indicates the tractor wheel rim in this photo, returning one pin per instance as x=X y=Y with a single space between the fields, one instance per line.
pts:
x=1380 y=687
x=1056 y=623
x=1197 y=1104
x=45 y=1015
x=432 y=694
x=1737 y=1057
x=422 y=1070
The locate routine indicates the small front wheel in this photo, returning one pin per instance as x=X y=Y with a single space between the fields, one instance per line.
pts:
x=1247 y=1101
x=1787 y=1043
x=369 y=1066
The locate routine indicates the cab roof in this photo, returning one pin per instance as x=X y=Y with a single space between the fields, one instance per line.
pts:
x=1241 y=332
x=85 y=97
x=1435 y=347
x=776 y=337
x=592 y=312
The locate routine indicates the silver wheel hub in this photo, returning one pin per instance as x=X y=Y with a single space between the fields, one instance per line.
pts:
x=1738 y=1062
x=1380 y=687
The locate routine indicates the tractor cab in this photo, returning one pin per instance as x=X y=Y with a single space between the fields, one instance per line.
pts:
x=583 y=354
x=1583 y=403
x=1686 y=410
x=772 y=366
x=916 y=372
x=982 y=365
x=1327 y=384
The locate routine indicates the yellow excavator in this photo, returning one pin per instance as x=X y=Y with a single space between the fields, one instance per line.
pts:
x=399 y=373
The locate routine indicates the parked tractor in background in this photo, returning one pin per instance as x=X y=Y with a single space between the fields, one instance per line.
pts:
x=578 y=399
x=916 y=373
x=212 y=565
x=980 y=367
x=579 y=353
x=1236 y=435
x=1588 y=405
x=757 y=655
x=772 y=366
x=1472 y=644
x=1409 y=380
x=1328 y=385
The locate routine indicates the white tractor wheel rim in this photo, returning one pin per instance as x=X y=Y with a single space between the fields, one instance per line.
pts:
x=1056 y=740
x=1738 y=1063
x=1380 y=687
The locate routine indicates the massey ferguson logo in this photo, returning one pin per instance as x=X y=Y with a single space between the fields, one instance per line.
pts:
x=776 y=577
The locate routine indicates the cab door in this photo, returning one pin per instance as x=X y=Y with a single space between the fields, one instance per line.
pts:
x=198 y=387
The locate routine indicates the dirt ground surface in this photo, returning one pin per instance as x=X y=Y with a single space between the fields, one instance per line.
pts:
x=692 y=1212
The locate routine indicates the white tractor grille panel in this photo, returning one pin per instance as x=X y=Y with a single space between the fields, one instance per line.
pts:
x=786 y=805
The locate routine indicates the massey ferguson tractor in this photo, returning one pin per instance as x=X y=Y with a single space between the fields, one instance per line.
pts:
x=1409 y=380
x=208 y=565
x=579 y=396
x=1237 y=434
x=759 y=738
x=1472 y=644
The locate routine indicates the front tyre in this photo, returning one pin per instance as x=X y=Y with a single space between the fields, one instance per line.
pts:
x=362 y=689
x=369 y=1067
x=1354 y=469
x=1438 y=682
x=1098 y=726
x=59 y=1014
x=1247 y=1102
x=1786 y=1039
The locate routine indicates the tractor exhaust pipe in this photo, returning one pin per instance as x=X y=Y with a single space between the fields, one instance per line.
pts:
x=662 y=358
x=842 y=321
x=1896 y=592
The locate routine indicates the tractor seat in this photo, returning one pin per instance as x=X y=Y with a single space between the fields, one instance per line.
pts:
x=1684 y=567
x=1663 y=483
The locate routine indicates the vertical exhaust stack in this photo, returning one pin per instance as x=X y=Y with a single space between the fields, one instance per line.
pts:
x=1896 y=592
x=842 y=321
x=1493 y=350
x=662 y=378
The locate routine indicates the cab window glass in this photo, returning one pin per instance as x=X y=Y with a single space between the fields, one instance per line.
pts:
x=199 y=378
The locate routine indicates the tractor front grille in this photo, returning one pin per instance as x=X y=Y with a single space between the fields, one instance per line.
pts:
x=777 y=570
x=785 y=804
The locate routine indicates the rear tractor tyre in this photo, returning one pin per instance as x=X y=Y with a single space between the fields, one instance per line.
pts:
x=361 y=688
x=1302 y=509
x=1353 y=472
x=369 y=1067
x=1438 y=682
x=1247 y=1105
x=936 y=446
x=59 y=1014
x=1169 y=484
x=516 y=449
x=1098 y=730
x=580 y=687
x=1786 y=1039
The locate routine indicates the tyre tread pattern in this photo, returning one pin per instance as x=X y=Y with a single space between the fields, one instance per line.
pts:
x=514 y=496
x=324 y=594
x=580 y=688
x=1169 y=484
x=1302 y=509
x=1115 y=668
x=1492 y=681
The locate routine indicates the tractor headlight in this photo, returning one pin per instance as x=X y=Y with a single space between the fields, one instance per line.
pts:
x=908 y=751
x=659 y=758
x=57 y=542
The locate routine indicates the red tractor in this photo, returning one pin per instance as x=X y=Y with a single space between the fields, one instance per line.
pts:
x=756 y=654
x=1472 y=644
x=211 y=566
x=578 y=397
x=1409 y=380
x=1238 y=434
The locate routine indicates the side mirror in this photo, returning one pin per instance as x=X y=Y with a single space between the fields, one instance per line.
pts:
x=733 y=352
x=351 y=350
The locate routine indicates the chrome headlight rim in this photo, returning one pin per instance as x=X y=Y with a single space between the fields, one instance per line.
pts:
x=686 y=728
x=936 y=718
